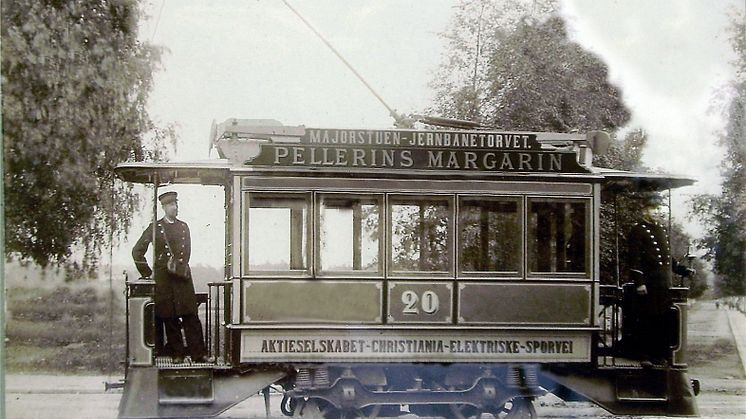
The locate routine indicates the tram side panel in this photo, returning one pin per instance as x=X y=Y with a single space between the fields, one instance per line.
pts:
x=297 y=316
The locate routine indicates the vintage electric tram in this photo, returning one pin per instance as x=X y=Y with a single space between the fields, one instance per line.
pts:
x=373 y=273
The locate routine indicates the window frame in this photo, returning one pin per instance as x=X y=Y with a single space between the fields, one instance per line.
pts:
x=307 y=272
x=380 y=198
x=588 y=242
x=519 y=274
x=396 y=197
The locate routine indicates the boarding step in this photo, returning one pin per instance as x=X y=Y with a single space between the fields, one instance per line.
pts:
x=645 y=385
x=185 y=386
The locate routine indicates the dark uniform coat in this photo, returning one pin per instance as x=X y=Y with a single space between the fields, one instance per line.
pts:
x=650 y=264
x=174 y=295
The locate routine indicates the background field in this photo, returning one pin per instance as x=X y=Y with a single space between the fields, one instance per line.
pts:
x=69 y=327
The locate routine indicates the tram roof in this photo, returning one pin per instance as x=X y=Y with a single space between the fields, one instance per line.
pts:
x=206 y=172
x=217 y=172
x=620 y=181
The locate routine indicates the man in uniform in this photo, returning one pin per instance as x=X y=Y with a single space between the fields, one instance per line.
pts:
x=175 y=300
x=650 y=267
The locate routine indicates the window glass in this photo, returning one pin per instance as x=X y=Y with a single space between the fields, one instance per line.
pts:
x=349 y=234
x=557 y=239
x=278 y=233
x=490 y=235
x=419 y=234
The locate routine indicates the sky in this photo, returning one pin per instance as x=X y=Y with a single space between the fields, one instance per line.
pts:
x=255 y=59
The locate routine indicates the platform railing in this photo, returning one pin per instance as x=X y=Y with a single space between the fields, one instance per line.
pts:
x=610 y=316
x=615 y=339
x=218 y=316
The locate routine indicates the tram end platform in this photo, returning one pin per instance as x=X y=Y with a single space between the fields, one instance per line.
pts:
x=188 y=392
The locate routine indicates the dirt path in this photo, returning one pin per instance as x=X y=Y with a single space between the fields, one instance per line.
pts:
x=714 y=359
x=712 y=348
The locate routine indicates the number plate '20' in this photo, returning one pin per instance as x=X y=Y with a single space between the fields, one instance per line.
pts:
x=411 y=302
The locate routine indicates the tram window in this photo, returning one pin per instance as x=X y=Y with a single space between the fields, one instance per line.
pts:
x=350 y=233
x=420 y=234
x=490 y=235
x=277 y=233
x=558 y=236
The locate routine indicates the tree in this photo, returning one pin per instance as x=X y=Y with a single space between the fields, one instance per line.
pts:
x=680 y=246
x=511 y=64
x=619 y=212
x=724 y=215
x=75 y=84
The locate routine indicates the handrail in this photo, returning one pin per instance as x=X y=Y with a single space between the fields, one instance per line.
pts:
x=216 y=332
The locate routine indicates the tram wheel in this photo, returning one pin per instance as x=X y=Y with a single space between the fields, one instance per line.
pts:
x=464 y=411
x=370 y=412
x=317 y=409
x=518 y=408
x=320 y=409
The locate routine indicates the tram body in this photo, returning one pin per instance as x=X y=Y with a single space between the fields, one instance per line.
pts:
x=454 y=272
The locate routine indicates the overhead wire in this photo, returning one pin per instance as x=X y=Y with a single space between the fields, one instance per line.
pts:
x=392 y=112
x=157 y=20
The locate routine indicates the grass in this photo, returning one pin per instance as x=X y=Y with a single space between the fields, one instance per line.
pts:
x=64 y=329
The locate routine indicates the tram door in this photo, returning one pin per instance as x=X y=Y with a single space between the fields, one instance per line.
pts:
x=140 y=322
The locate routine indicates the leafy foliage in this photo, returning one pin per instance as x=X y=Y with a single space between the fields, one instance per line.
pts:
x=511 y=64
x=75 y=85
x=680 y=242
x=419 y=236
x=619 y=212
x=725 y=214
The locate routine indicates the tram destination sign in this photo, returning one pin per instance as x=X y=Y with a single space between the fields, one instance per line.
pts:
x=422 y=139
x=428 y=150
x=435 y=346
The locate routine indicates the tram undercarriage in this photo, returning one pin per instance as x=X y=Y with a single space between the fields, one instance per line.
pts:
x=391 y=390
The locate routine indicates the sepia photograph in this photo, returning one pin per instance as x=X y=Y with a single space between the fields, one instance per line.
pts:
x=336 y=209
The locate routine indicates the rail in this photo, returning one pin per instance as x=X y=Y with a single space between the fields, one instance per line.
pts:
x=615 y=342
x=218 y=316
x=610 y=317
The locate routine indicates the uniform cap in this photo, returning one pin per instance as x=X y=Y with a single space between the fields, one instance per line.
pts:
x=648 y=198
x=167 y=197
